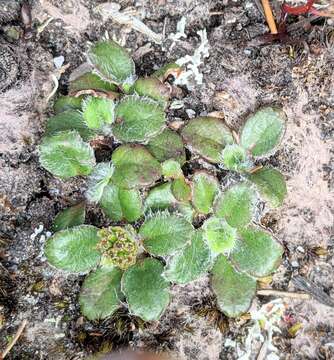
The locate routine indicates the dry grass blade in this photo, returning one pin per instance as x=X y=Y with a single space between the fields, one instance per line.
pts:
x=14 y=340
x=313 y=290
x=279 y=293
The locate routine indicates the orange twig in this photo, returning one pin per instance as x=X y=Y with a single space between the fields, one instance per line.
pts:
x=269 y=16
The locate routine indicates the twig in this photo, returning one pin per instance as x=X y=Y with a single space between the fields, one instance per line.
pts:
x=255 y=169
x=55 y=88
x=14 y=340
x=279 y=293
x=216 y=13
x=269 y=16
x=313 y=290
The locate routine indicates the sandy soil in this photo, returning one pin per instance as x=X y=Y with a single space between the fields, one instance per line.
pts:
x=237 y=78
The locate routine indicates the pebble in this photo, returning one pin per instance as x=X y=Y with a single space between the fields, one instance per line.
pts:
x=59 y=61
x=191 y=113
x=295 y=264
x=300 y=249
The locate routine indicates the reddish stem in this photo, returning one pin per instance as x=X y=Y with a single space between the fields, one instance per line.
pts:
x=298 y=10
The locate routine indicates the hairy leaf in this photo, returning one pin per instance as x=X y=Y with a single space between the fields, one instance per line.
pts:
x=236 y=205
x=186 y=210
x=121 y=204
x=69 y=120
x=72 y=216
x=207 y=137
x=191 y=262
x=98 y=112
x=101 y=293
x=220 y=236
x=112 y=61
x=160 y=198
x=138 y=119
x=146 y=290
x=135 y=166
x=74 y=249
x=167 y=145
x=98 y=180
x=64 y=103
x=263 y=130
x=205 y=187
x=258 y=253
x=171 y=169
x=65 y=155
x=234 y=290
x=163 y=234
x=181 y=189
x=235 y=158
x=270 y=184
x=153 y=88
x=90 y=81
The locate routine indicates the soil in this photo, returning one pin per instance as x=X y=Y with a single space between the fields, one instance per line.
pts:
x=239 y=75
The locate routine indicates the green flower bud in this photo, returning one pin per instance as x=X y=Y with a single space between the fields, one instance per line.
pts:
x=118 y=247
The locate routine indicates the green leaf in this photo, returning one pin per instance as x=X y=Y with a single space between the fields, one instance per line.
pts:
x=205 y=187
x=220 y=236
x=153 y=88
x=138 y=119
x=270 y=184
x=263 y=131
x=65 y=155
x=98 y=112
x=72 y=216
x=186 y=210
x=167 y=145
x=135 y=167
x=101 y=293
x=121 y=204
x=234 y=290
x=69 y=120
x=207 y=137
x=168 y=69
x=160 y=198
x=146 y=290
x=90 y=81
x=258 y=253
x=64 y=103
x=181 y=189
x=112 y=61
x=191 y=262
x=236 y=205
x=98 y=180
x=235 y=158
x=171 y=169
x=163 y=233
x=74 y=249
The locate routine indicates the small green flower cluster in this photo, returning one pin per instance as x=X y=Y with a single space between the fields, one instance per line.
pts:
x=118 y=247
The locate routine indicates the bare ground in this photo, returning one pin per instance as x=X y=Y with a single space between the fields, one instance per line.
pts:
x=237 y=79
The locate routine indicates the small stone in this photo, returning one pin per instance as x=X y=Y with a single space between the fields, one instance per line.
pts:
x=294 y=264
x=175 y=125
x=191 y=113
x=58 y=61
x=300 y=249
